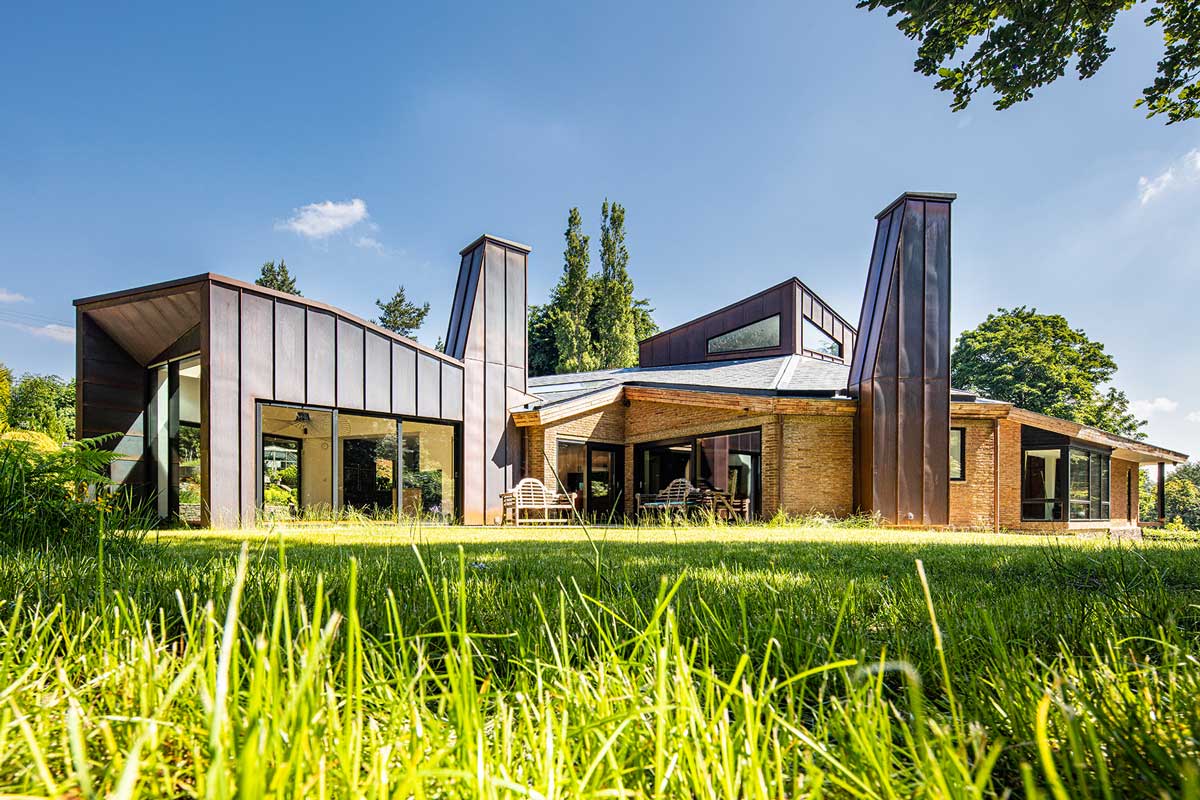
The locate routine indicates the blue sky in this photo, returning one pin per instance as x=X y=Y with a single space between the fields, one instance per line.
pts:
x=748 y=141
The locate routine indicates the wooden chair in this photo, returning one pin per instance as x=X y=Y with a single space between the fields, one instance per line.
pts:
x=675 y=496
x=530 y=501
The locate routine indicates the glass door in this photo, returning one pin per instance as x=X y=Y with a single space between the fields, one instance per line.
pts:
x=605 y=484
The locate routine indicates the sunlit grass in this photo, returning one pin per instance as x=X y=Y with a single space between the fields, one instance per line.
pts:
x=400 y=661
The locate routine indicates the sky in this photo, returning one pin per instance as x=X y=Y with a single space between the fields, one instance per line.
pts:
x=749 y=142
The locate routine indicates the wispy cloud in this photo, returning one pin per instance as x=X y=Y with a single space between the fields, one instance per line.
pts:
x=1193 y=416
x=12 y=297
x=1184 y=171
x=370 y=243
x=59 y=333
x=322 y=220
x=1148 y=408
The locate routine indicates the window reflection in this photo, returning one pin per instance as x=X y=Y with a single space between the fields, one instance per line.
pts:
x=428 y=475
x=755 y=336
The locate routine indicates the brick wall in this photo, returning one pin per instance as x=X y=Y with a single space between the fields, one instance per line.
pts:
x=973 y=500
x=541 y=443
x=1123 y=505
x=817 y=462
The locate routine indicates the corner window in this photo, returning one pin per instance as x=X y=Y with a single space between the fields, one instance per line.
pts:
x=818 y=341
x=1064 y=483
x=760 y=335
x=958 y=454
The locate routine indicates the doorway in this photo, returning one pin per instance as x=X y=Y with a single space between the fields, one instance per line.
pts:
x=595 y=474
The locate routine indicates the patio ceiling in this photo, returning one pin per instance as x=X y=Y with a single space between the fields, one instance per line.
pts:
x=147 y=324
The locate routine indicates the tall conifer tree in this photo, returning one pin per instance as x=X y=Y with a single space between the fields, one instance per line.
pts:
x=571 y=303
x=613 y=330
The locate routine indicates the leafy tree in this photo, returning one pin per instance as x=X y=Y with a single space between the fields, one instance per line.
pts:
x=591 y=320
x=571 y=302
x=612 y=320
x=1040 y=363
x=277 y=278
x=1016 y=46
x=1182 y=496
x=400 y=314
x=43 y=403
x=5 y=395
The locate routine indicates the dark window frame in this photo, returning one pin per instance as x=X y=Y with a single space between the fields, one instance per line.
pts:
x=693 y=442
x=1063 y=482
x=778 y=337
x=962 y=453
x=806 y=322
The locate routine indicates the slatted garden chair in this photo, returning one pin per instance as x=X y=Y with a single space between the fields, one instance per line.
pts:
x=674 y=497
x=531 y=502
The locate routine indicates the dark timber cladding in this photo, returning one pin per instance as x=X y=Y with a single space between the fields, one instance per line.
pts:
x=487 y=332
x=255 y=345
x=791 y=300
x=901 y=367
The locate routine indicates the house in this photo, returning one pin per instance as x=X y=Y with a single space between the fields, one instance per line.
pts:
x=775 y=402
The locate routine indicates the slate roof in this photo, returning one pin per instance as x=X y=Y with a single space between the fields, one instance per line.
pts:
x=791 y=374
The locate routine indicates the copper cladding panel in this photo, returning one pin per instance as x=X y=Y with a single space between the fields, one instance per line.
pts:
x=219 y=417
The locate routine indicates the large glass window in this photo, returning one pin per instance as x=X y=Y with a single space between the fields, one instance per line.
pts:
x=173 y=439
x=1065 y=483
x=819 y=341
x=1040 y=495
x=755 y=336
x=297 y=461
x=572 y=469
x=429 y=481
x=727 y=463
x=367 y=463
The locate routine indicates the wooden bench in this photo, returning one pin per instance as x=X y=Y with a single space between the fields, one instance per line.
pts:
x=530 y=501
x=675 y=496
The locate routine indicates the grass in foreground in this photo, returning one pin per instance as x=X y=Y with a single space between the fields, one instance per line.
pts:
x=729 y=663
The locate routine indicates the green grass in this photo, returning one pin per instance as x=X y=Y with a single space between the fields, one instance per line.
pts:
x=728 y=662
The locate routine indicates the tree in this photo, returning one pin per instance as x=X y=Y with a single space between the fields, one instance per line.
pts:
x=277 y=278
x=1016 y=46
x=401 y=315
x=5 y=395
x=1038 y=362
x=612 y=319
x=1182 y=496
x=571 y=302
x=591 y=320
x=43 y=403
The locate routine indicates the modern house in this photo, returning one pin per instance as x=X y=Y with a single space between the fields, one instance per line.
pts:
x=231 y=399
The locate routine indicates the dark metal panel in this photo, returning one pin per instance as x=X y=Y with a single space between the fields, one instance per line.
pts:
x=494 y=315
x=289 y=352
x=320 y=361
x=429 y=386
x=473 y=444
x=859 y=370
x=888 y=344
x=495 y=420
x=456 y=310
x=910 y=450
x=476 y=325
x=911 y=279
x=257 y=382
x=883 y=296
x=884 y=417
x=219 y=417
x=404 y=380
x=937 y=290
x=516 y=306
x=378 y=380
x=350 y=360
x=452 y=392
x=936 y=503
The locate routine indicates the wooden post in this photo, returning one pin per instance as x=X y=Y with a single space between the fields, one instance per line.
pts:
x=1162 y=493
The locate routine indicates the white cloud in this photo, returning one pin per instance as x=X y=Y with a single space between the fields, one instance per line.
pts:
x=1185 y=170
x=1193 y=416
x=321 y=220
x=54 y=331
x=12 y=297
x=370 y=243
x=1148 y=408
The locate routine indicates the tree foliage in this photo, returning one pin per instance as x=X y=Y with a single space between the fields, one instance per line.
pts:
x=1015 y=47
x=43 y=403
x=1040 y=363
x=591 y=321
x=400 y=314
x=5 y=395
x=1182 y=496
x=277 y=278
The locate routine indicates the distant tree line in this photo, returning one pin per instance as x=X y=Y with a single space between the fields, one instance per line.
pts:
x=37 y=403
x=592 y=320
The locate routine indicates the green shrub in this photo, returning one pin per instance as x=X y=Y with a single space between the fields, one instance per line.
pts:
x=64 y=497
x=289 y=476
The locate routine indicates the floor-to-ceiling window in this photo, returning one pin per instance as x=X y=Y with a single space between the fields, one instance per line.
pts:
x=729 y=463
x=593 y=473
x=297 y=461
x=173 y=439
x=368 y=463
x=1061 y=479
x=429 y=476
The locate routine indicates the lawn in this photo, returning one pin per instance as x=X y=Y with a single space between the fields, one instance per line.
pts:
x=698 y=662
